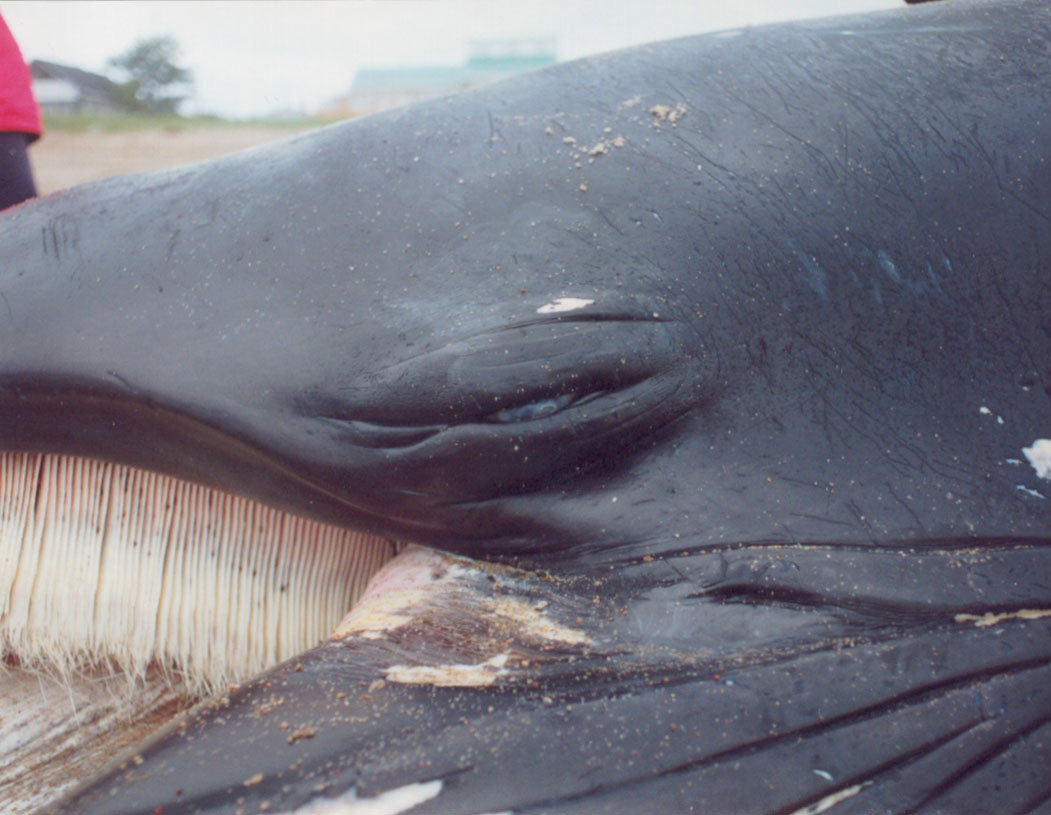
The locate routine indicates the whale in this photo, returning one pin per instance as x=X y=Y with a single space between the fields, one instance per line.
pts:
x=704 y=387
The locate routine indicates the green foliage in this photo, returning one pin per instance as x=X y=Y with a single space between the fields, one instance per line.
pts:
x=152 y=73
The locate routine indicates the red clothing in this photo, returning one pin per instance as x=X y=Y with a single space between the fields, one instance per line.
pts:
x=18 y=108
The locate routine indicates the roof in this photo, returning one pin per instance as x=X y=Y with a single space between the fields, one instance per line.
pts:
x=477 y=70
x=85 y=80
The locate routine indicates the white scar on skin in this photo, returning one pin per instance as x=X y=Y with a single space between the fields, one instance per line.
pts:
x=391 y=802
x=1039 y=456
x=991 y=618
x=564 y=304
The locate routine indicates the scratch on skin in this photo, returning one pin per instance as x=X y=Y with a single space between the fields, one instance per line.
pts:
x=830 y=801
x=992 y=618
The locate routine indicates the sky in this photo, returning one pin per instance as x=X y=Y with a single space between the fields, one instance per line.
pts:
x=251 y=58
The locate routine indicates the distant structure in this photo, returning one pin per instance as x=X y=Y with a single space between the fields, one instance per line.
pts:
x=376 y=89
x=62 y=89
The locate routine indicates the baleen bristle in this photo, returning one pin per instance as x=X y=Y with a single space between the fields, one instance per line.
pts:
x=102 y=564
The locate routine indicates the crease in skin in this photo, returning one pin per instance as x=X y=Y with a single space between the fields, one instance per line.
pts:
x=103 y=565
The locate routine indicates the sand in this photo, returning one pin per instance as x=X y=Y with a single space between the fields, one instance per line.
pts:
x=62 y=159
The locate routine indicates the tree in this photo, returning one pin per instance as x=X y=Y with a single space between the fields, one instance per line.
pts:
x=151 y=70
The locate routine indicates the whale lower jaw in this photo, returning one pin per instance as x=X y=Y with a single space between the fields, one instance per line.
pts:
x=428 y=620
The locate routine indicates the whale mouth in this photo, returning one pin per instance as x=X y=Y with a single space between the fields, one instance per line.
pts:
x=105 y=564
x=139 y=594
x=274 y=509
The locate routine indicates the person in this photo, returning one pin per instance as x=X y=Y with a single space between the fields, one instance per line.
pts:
x=19 y=122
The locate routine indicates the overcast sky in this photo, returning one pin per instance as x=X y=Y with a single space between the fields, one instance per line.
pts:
x=253 y=58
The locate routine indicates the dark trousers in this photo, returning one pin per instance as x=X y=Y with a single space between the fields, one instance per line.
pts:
x=16 y=178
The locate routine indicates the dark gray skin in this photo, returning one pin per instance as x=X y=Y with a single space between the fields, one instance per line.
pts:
x=805 y=288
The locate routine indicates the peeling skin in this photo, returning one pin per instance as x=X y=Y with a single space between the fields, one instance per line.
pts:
x=1039 y=456
x=391 y=802
x=449 y=676
x=534 y=624
x=564 y=304
x=992 y=618
x=429 y=595
x=396 y=590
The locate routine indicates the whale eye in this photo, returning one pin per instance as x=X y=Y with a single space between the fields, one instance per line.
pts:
x=534 y=410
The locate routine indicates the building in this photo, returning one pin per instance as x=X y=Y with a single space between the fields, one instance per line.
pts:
x=376 y=89
x=62 y=89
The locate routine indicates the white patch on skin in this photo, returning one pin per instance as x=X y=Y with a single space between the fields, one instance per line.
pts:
x=449 y=676
x=530 y=622
x=1027 y=491
x=564 y=304
x=830 y=801
x=391 y=802
x=992 y=618
x=986 y=412
x=1039 y=455
x=823 y=774
x=402 y=585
